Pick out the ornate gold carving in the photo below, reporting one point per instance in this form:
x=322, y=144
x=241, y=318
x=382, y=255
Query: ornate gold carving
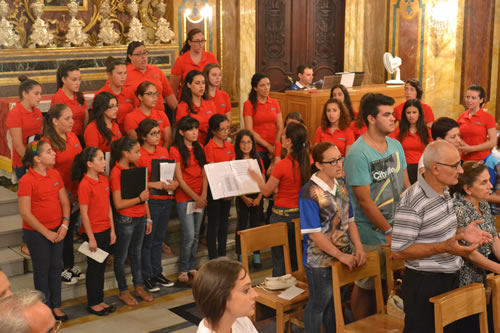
x=8, y=36
x=60, y=5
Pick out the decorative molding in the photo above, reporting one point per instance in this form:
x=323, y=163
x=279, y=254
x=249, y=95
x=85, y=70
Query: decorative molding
x=274, y=29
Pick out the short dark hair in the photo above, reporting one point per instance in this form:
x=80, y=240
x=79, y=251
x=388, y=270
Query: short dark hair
x=130, y=49
x=370, y=103
x=144, y=128
x=442, y=126
x=301, y=68
x=418, y=87
x=480, y=90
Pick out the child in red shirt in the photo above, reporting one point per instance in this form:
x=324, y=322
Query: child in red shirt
x=218, y=97
x=341, y=94
x=103, y=128
x=44, y=207
x=97, y=222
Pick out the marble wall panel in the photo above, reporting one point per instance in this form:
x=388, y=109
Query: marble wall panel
x=247, y=47
x=230, y=48
x=354, y=35
x=374, y=44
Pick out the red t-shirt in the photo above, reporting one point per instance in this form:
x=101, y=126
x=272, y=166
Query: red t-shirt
x=95, y=194
x=215, y=153
x=428, y=114
x=93, y=137
x=125, y=99
x=30, y=124
x=77, y=109
x=192, y=175
x=146, y=160
x=264, y=119
x=222, y=102
x=152, y=74
x=288, y=173
x=135, y=117
x=412, y=145
x=138, y=210
x=474, y=131
x=44, y=193
x=203, y=114
x=341, y=138
x=357, y=131
x=64, y=160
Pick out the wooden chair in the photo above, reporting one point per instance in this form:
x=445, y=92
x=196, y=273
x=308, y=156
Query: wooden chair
x=497, y=222
x=379, y=322
x=458, y=304
x=391, y=265
x=300, y=274
x=493, y=282
x=269, y=236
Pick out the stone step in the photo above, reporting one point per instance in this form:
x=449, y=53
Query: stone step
x=11, y=232
x=8, y=202
x=11, y=263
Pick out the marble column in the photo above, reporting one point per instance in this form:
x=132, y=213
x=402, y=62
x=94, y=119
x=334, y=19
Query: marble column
x=247, y=48
x=354, y=35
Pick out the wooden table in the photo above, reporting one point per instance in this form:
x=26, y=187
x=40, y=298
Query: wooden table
x=310, y=103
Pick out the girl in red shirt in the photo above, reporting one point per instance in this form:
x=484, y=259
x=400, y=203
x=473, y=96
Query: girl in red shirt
x=148, y=94
x=24, y=121
x=103, y=128
x=413, y=90
x=340, y=93
x=97, y=222
x=160, y=206
x=288, y=177
x=195, y=102
x=57, y=126
x=218, y=97
x=133, y=221
x=44, y=208
x=413, y=134
x=335, y=126
x=69, y=79
x=191, y=193
x=217, y=149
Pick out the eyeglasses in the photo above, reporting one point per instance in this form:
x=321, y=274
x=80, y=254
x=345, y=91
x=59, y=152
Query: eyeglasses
x=143, y=54
x=152, y=94
x=334, y=162
x=114, y=106
x=454, y=165
x=155, y=133
x=224, y=129
x=199, y=41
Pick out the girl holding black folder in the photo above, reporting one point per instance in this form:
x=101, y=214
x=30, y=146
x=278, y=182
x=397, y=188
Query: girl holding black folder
x=160, y=205
x=192, y=191
x=132, y=223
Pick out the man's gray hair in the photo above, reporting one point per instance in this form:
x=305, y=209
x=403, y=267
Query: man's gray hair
x=12, y=308
x=434, y=151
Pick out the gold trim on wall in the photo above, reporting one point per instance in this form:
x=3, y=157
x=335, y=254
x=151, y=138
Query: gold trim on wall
x=49, y=8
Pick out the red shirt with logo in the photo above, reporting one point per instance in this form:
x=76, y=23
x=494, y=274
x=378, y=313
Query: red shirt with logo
x=412, y=145
x=134, y=118
x=75, y=106
x=93, y=137
x=192, y=174
x=428, y=114
x=215, y=153
x=264, y=119
x=341, y=138
x=95, y=194
x=222, y=102
x=474, y=131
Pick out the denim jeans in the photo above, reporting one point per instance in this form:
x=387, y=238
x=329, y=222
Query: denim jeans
x=248, y=217
x=277, y=252
x=129, y=236
x=47, y=266
x=190, y=226
x=151, y=247
x=319, y=309
x=218, y=216
x=94, y=279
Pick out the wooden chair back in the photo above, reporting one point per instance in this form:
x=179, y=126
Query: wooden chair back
x=493, y=282
x=497, y=222
x=458, y=304
x=391, y=265
x=300, y=274
x=265, y=237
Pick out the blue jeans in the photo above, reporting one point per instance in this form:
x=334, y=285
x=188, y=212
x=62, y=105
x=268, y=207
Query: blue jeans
x=129, y=236
x=277, y=252
x=190, y=226
x=151, y=247
x=319, y=309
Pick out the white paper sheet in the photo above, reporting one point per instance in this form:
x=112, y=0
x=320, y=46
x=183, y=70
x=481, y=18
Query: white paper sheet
x=221, y=179
x=245, y=183
x=99, y=255
x=347, y=79
x=167, y=172
x=291, y=293
x=190, y=208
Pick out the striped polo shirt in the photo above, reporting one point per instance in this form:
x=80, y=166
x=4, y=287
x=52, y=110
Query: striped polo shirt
x=426, y=217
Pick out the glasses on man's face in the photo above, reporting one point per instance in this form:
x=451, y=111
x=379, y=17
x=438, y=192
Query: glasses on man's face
x=143, y=54
x=199, y=41
x=114, y=106
x=334, y=162
x=155, y=133
x=152, y=94
x=454, y=165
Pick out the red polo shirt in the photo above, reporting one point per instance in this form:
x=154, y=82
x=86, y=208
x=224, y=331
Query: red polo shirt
x=428, y=114
x=135, y=117
x=93, y=137
x=192, y=175
x=77, y=109
x=95, y=194
x=288, y=173
x=125, y=99
x=152, y=74
x=215, y=153
x=30, y=123
x=222, y=102
x=64, y=160
x=264, y=119
x=412, y=145
x=357, y=131
x=146, y=160
x=474, y=131
x=138, y=210
x=203, y=114
x=341, y=138
x=44, y=193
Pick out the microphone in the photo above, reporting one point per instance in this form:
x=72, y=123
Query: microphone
x=317, y=83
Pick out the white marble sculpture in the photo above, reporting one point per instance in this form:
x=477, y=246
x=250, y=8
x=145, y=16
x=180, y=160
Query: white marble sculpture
x=75, y=35
x=136, y=33
x=40, y=34
x=107, y=34
x=8, y=37
x=163, y=32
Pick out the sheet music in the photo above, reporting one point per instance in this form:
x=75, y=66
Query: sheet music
x=167, y=172
x=347, y=79
x=99, y=255
x=190, y=208
x=221, y=179
x=240, y=171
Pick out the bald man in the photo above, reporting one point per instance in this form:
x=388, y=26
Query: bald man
x=425, y=235
x=4, y=285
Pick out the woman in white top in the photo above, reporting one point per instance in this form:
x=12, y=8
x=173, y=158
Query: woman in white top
x=224, y=295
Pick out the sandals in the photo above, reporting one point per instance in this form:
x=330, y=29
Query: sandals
x=24, y=249
x=183, y=277
x=142, y=294
x=166, y=249
x=126, y=298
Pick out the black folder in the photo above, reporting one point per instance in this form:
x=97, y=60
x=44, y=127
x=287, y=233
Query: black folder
x=155, y=174
x=133, y=181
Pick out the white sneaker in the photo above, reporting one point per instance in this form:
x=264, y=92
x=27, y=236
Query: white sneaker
x=77, y=273
x=67, y=278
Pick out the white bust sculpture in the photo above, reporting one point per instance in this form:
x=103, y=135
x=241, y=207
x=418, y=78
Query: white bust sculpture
x=40, y=34
x=136, y=32
x=163, y=32
x=75, y=35
x=8, y=37
x=107, y=34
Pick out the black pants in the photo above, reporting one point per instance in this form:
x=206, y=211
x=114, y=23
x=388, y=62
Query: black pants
x=248, y=217
x=95, y=271
x=218, y=216
x=68, y=256
x=412, y=170
x=47, y=266
x=417, y=288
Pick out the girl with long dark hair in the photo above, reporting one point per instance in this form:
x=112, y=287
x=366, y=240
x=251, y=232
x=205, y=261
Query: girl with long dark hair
x=414, y=90
x=341, y=94
x=219, y=97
